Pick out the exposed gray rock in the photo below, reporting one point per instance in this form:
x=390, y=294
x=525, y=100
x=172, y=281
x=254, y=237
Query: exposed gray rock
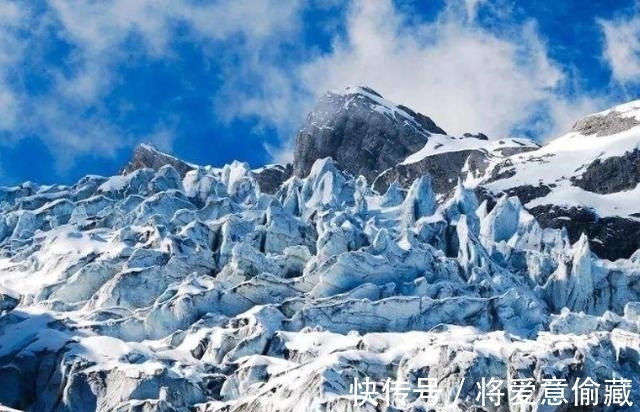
x=478, y=135
x=611, y=175
x=146, y=156
x=512, y=150
x=362, y=132
x=609, y=237
x=527, y=193
x=271, y=177
x=604, y=125
x=502, y=170
x=445, y=169
x=367, y=135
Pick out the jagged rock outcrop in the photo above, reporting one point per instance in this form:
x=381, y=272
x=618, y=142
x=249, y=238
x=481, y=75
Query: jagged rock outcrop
x=608, y=123
x=271, y=177
x=445, y=169
x=586, y=181
x=611, y=175
x=146, y=156
x=370, y=136
x=609, y=237
x=364, y=133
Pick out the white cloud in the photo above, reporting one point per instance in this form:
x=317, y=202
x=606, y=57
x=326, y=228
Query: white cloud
x=280, y=155
x=100, y=25
x=471, y=7
x=464, y=77
x=622, y=48
x=162, y=138
x=8, y=110
x=10, y=16
x=99, y=30
x=70, y=118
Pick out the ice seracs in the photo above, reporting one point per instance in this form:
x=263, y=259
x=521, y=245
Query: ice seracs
x=163, y=293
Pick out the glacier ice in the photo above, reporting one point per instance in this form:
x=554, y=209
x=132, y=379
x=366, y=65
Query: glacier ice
x=165, y=292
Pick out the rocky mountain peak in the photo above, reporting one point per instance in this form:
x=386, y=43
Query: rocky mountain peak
x=371, y=136
x=419, y=119
x=363, y=132
x=146, y=155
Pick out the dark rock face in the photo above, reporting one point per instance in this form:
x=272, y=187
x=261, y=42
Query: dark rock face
x=510, y=151
x=611, y=175
x=147, y=156
x=445, y=169
x=360, y=133
x=270, y=177
x=366, y=135
x=478, y=135
x=423, y=120
x=606, y=125
x=527, y=193
x=609, y=237
x=502, y=170
x=505, y=169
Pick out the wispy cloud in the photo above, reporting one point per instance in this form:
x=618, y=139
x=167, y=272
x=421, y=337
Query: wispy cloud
x=466, y=77
x=91, y=41
x=622, y=48
x=10, y=47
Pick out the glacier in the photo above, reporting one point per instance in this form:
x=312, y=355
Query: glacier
x=182, y=287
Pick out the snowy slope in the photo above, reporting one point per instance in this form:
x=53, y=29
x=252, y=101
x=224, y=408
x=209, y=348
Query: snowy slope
x=566, y=158
x=441, y=144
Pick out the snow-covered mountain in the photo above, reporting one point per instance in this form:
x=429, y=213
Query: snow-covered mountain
x=175, y=287
x=586, y=180
x=370, y=136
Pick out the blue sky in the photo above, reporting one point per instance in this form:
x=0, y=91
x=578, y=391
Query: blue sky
x=82, y=82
